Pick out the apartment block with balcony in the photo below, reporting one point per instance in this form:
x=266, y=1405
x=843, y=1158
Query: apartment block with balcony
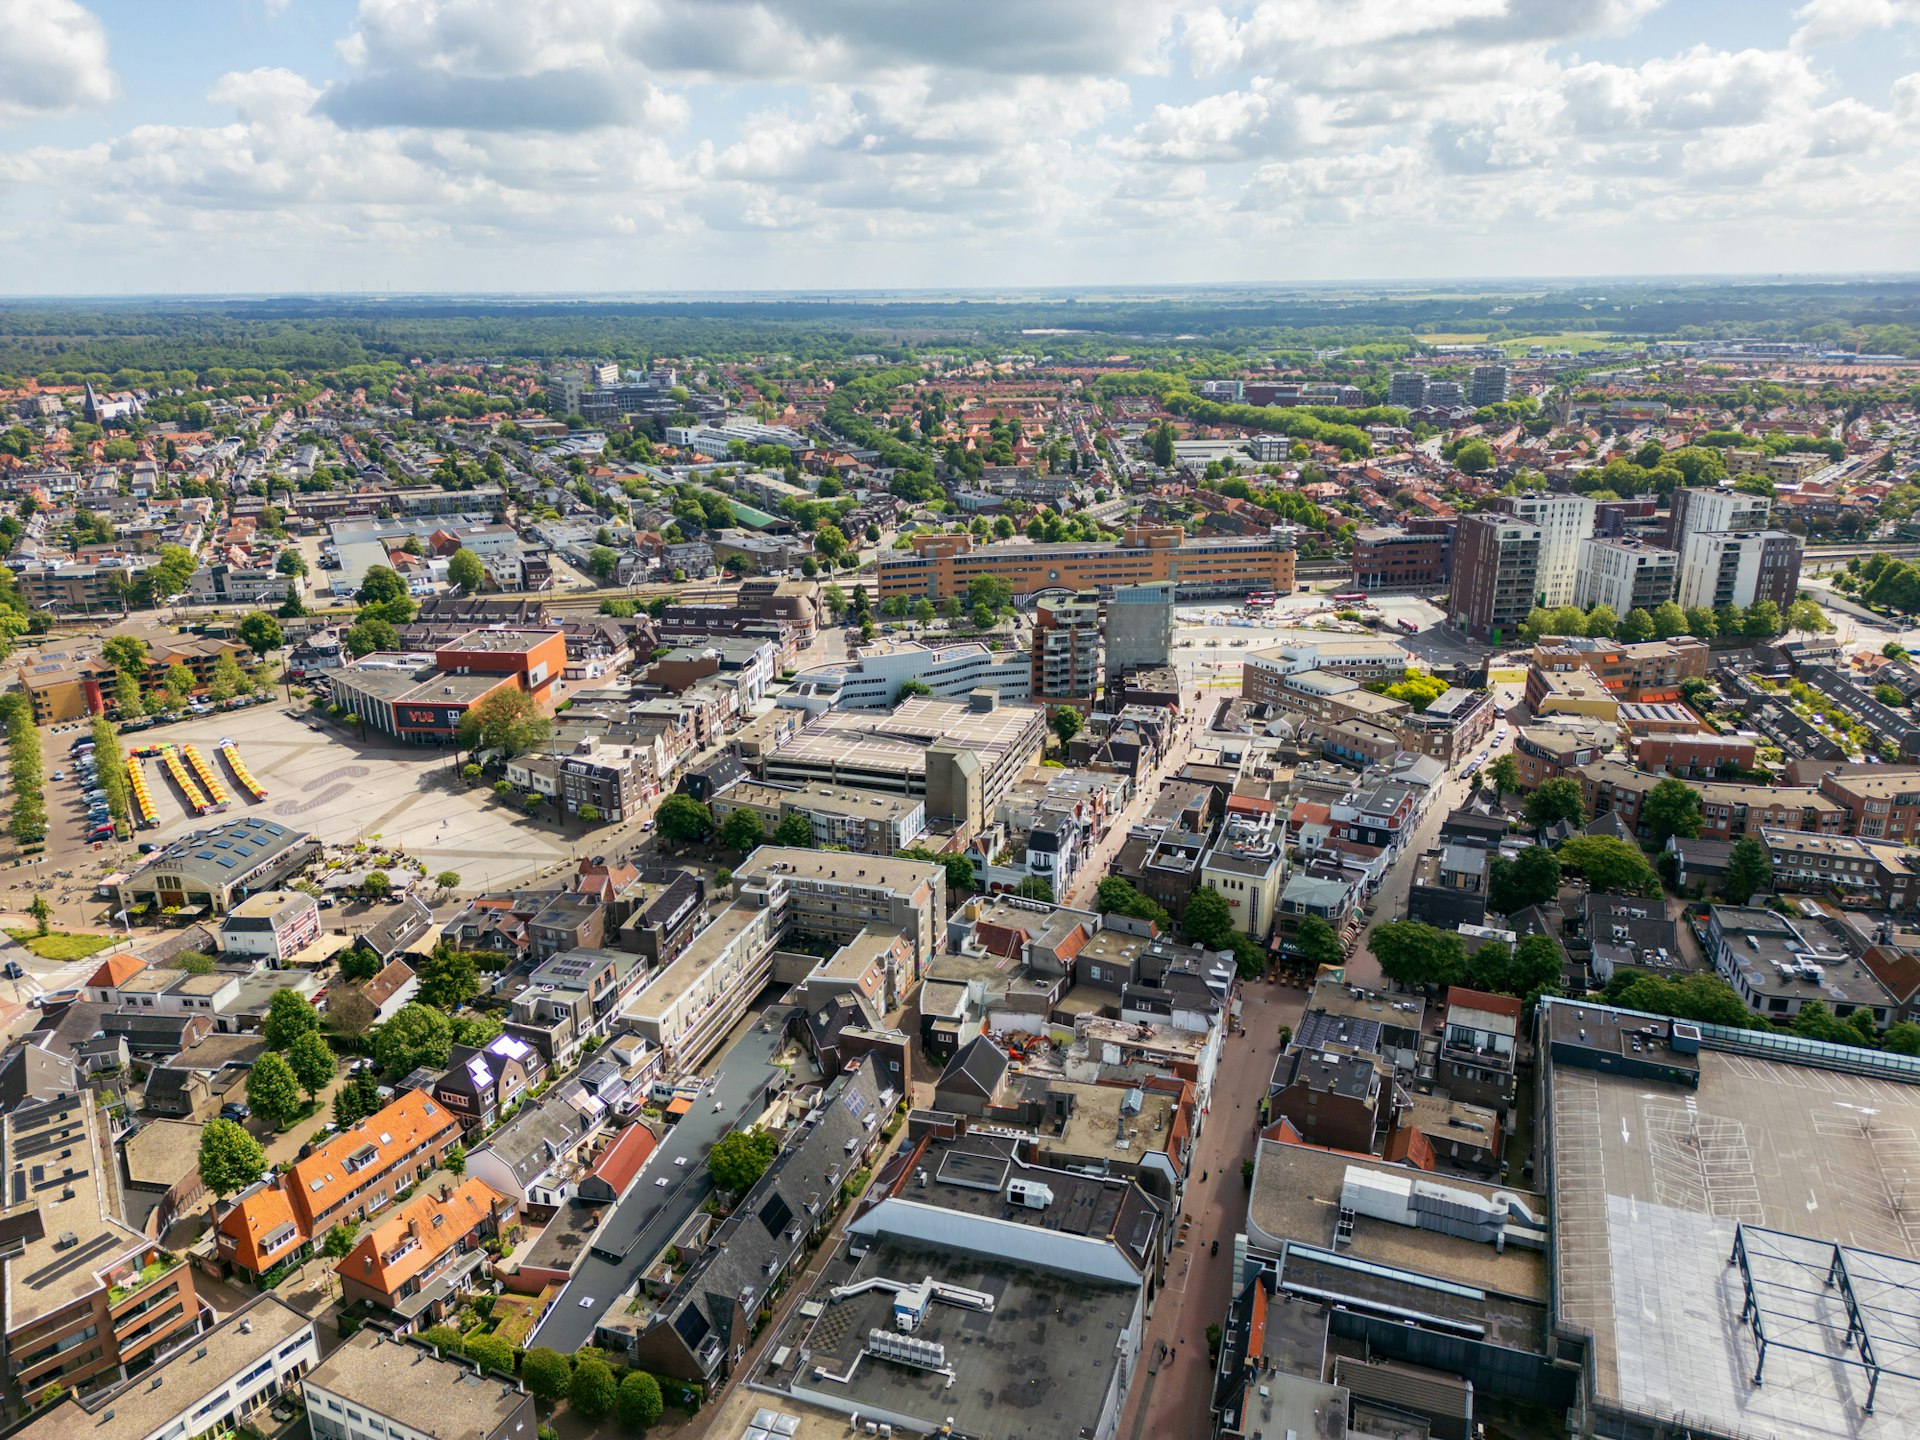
x=1564, y=521
x=1624, y=574
x=1479, y=1048
x=690, y=1006
x=89, y=1299
x=1066, y=650
x=570, y=997
x=1740, y=568
x=1496, y=576
x=1387, y=559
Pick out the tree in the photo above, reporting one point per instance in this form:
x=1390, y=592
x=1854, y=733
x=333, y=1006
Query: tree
x=1035, y=887
x=991, y=591
x=227, y=679
x=1417, y=690
x=1669, y=620
x=1762, y=619
x=1315, y=942
x=1163, y=445
x=356, y=1100
x=1115, y=896
x=476, y=1030
x=742, y=830
x=416, y=1035
x=192, y=962
x=909, y=689
x=1636, y=626
x=1749, y=871
x=382, y=585
x=508, y=720
x=465, y=570
x=230, y=1158
x=369, y=635
x=260, y=632
x=289, y=1016
x=1208, y=919
x=358, y=965
x=456, y=1159
x=448, y=978
x=447, y=880
x=683, y=819
x=42, y=913
x=1536, y=967
x=127, y=702
x=1414, y=954
x=491, y=1351
x=178, y=683
x=1602, y=623
x=1671, y=808
x=1560, y=798
x=640, y=1405
x=546, y=1373
x=1066, y=723
x=312, y=1062
x=1474, y=458
x=1902, y=1038
x=126, y=653
x=290, y=562
x=339, y=1242
x=603, y=561
x=794, y=830
x=1805, y=617
x=1531, y=878
x=591, y=1391
x=1609, y=863
x=272, y=1090
x=378, y=884
x=740, y=1158
x=1505, y=774
x=1701, y=623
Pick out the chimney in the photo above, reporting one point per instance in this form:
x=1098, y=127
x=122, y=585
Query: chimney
x=446, y=1192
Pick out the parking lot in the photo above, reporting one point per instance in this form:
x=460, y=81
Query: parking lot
x=324, y=781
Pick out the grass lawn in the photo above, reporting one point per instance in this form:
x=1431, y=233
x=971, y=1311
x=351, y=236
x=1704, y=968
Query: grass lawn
x=58, y=945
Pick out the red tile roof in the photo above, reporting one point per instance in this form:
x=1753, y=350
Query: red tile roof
x=623, y=1159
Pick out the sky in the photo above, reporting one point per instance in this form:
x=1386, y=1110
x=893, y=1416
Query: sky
x=593, y=146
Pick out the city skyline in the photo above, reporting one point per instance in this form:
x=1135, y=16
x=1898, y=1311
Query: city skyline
x=274, y=146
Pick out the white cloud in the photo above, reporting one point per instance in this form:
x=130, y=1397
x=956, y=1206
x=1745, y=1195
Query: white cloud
x=1829, y=22
x=745, y=142
x=53, y=59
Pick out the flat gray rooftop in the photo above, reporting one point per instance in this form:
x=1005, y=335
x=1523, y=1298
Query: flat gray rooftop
x=1649, y=1182
x=1038, y=1364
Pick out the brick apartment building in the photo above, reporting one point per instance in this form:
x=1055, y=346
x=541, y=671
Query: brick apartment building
x=946, y=564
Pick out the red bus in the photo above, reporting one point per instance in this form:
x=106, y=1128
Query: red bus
x=1352, y=597
x=1261, y=600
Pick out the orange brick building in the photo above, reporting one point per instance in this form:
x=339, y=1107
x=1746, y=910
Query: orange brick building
x=946, y=564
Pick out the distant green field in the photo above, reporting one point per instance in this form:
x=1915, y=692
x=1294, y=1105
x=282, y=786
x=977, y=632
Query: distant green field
x=1566, y=340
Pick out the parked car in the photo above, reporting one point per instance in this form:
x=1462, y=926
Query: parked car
x=235, y=1112
x=14, y=970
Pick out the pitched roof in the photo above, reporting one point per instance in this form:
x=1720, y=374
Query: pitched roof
x=977, y=1065
x=382, y=987
x=115, y=970
x=622, y=1160
x=323, y=1179
x=417, y=1234
x=262, y=1217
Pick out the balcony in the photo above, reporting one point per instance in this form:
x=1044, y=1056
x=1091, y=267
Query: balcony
x=146, y=1275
